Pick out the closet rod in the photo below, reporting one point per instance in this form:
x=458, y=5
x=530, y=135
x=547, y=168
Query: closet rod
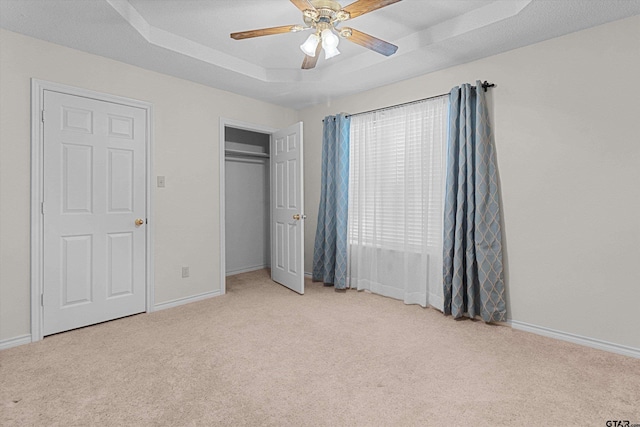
x=246, y=153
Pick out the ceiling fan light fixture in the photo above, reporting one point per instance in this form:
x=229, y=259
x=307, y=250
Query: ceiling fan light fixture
x=310, y=45
x=330, y=43
x=323, y=18
x=330, y=53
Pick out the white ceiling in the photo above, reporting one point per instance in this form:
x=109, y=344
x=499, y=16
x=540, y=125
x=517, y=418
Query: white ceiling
x=190, y=38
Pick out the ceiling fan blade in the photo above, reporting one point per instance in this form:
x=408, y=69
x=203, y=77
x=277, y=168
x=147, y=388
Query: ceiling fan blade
x=263, y=32
x=303, y=5
x=310, y=62
x=370, y=42
x=360, y=7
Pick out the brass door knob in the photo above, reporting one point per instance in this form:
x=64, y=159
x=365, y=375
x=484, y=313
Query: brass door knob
x=139, y=222
x=297, y=217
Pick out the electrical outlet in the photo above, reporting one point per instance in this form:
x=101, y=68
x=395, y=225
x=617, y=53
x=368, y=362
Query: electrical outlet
x=160, y=181
x=185, y=272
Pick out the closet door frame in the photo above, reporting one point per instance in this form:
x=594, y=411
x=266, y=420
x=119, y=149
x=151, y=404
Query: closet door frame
x=236, y=124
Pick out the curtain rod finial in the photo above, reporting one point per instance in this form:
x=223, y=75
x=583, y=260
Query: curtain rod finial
x=486, y=85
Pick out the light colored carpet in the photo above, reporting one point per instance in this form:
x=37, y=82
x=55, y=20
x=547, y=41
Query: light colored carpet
x=263, y=355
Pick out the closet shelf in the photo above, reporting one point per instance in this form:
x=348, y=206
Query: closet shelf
x=230, y=152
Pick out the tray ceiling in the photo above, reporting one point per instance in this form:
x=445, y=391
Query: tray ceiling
x=190, y=38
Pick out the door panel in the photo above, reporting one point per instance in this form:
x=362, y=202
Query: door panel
x=120, y=179
x=120, y=264
x=287, y=256
x=94, y=189
x=292, y=250
x=77, y=170
x=77, y=270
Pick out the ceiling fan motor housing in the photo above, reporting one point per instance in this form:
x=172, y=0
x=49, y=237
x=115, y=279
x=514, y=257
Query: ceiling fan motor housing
x=327, y=14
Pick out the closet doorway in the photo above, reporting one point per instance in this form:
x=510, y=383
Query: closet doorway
x=261, y=202
x=247, y=206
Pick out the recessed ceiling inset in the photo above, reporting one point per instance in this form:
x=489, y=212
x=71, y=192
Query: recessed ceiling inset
x=323, y=17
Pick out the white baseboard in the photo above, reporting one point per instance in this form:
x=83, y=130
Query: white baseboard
x=246, y=270
x=308, y=275
x=186, y=300
x=576, y=339
x=15, y=341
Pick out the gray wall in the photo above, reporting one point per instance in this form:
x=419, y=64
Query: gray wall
x=247, y=203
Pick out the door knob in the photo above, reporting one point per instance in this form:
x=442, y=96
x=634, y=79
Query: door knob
x=139, y=222
x=297, y=217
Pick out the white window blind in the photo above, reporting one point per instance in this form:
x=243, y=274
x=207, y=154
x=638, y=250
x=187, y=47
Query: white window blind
x=396, y=176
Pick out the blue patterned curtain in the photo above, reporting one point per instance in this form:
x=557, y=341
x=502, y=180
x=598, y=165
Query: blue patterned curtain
x=330, y=249
x=473, y=276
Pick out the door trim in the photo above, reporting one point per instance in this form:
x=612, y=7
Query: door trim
x=37, y=192
x=224, y=122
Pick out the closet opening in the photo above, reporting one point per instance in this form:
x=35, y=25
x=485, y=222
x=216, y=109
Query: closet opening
x=261, y=202
x=247, y=200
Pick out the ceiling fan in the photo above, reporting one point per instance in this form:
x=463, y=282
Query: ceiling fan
x=323, y=16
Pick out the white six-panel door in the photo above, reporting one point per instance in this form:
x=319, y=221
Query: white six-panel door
x=287, y=244
x=94, y=191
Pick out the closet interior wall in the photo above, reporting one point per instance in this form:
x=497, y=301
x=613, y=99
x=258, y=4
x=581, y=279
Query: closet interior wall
x=247, y=201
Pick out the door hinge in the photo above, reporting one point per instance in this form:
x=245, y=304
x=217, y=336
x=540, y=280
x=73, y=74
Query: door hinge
x=42, y=116
x=42, y=300
x=42, y=208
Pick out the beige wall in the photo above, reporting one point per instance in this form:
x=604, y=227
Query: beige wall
x=566, y=129
x=565, y=114
x=185, y=151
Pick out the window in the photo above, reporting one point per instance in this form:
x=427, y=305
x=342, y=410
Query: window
x=396, y=188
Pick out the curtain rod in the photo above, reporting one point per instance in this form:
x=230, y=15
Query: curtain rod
x=485, y=85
